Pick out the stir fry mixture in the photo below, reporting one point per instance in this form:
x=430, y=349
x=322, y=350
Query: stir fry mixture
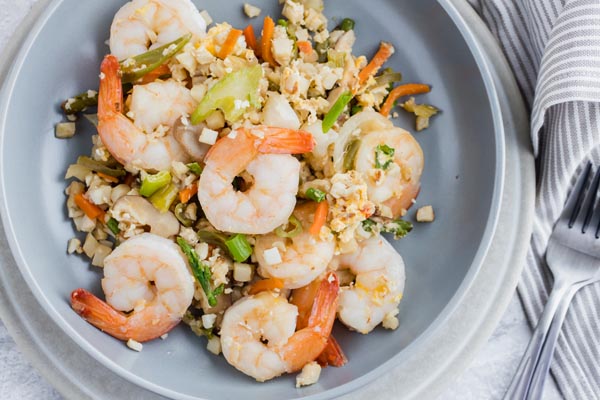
x=240, y=183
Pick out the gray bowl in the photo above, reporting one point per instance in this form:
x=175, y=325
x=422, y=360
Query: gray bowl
x=463, y=180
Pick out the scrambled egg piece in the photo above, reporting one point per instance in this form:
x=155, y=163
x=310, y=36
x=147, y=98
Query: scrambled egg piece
x=350, y=206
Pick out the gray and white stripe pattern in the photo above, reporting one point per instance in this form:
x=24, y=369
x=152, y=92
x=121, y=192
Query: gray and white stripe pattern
x=553, y=47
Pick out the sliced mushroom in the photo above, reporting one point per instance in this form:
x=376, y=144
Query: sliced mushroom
x=187, y=136
x=138, y=210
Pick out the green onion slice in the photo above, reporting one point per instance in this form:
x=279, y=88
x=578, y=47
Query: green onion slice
x=239, y=247
x=153, y=183
x=195, y=168
x=315, y=195
x=113, y=225
x=283, y=231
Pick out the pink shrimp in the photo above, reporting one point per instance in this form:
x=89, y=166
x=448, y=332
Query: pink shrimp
x=263, y=152
x=146, y=275
x=259, y=337
x=124, y=140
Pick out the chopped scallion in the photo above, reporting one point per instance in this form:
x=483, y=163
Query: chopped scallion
x=283, y=231
x=315, y=195
x=195, y=168
x=153, y=183
x=113, y=225
x=239, y=247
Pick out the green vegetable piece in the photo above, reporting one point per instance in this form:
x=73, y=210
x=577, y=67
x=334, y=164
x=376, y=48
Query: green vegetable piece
x=283, y=231
x=368, y=225
x=283, y=22
x=241, y=85
x=153, y=183
x=399, y=228
x=315, y=195
x=195, y=168
x=239, y=247
x=322, y=50
x=164, y=198
x=180, y=215
x=423, y=112
x=214, y=238
x=350, y=154
x=355, y=109
x=336, y=110
x=388, y=77
x=200, y=270
x=80, y=102
x=99, y=166
x=113, y=225
x=346, y=25
x=137, y=67
x=384, y=156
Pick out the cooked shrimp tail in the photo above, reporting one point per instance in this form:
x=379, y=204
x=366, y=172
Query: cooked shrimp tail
x=308, y=343
x=285, y=141
x=303, y=298
x=333, y=354
x=110, y=97
x=115, y=323
x=127, y=143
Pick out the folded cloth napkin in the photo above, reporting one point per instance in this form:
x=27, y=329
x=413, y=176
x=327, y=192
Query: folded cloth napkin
x=553, y=47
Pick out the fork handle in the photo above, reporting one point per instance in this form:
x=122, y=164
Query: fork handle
x=543, y=365
x=521, y=381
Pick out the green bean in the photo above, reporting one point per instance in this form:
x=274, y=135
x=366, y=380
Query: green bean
x=80, y=102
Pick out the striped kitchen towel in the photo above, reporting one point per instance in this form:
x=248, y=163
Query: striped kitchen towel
x=553, y=47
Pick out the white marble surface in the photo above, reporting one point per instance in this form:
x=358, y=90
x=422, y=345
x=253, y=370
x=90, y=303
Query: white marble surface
x=487, y=378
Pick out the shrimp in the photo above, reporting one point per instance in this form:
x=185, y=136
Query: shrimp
x=259, y=337
x=396, y=185
x=127, y=142
x=304, y=257
x=303, y=298
x=143, y=25
x=264, y=153
x=146, y=276
x=379, y=285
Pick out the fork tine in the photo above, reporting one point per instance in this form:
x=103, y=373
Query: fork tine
x=590, y=201
x=576, y=197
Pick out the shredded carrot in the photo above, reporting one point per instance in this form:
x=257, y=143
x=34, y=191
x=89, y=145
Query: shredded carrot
x=157, y=73
x=304, y=46
x=333, y=354
x=385, y=51
x=267, y=38
x=186, y=194
x=108, y=177
x=90, y=209
x=403, y=90
x=229, y=44
x=320, y=218
x=265, y=284
x=251, y=39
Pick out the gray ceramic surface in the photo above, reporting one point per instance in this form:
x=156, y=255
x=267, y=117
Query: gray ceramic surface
x=462, y=179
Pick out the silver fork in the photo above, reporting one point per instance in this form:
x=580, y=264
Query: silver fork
x=573, y=257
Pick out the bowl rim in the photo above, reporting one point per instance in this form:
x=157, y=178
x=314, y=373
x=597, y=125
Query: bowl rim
x=6, y=92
